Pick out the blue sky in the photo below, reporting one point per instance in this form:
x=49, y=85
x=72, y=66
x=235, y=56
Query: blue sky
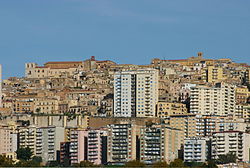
x=125, y=31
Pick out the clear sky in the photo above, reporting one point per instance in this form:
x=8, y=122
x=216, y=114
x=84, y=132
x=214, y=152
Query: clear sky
x=125, y=31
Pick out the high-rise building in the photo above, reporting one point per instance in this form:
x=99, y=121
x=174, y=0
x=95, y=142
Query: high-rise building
x=135, y=93
x=216, y=100
x=184, y=122
x=85, y=144
x=43, y=141
x=214, y=74
x=159, y=143
x=207, y=125
x=122, y=143
x=8, y=139
x=236, y=142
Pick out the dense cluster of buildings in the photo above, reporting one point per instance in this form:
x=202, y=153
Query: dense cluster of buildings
x=195, y=109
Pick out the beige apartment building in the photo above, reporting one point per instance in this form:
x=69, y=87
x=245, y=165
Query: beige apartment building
x=166, y=109
x=159, y=143
x=216, y=100
x=122, y=142
x=214, y=74
x=242, y=94
x=242, y=111
x=8, y=139
x=184, y=122
x=46, y=105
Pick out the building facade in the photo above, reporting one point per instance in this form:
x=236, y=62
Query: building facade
x=216, y=100
x=135, y=93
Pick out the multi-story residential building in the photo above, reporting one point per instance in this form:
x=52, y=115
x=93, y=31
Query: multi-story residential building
x=196, y=149
x=185, y=91
x=214, y=74
x=242, y=111
x=46, y=105
x=159, y=143
x=27, y=138
x=166, y=109
x=85, y=144
x=23, y=105
x=247, y=76
x=122, y=143
x=207, y=125
x=8, y=139
x=184, y=122
x=43, y=141
x=242, y=94
x=135, y=93
x=217, y=100
x=236, y=142
x=48, y=142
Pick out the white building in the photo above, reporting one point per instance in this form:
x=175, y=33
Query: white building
x=135, y=93
x=217, y=100
x=236, y=142
x=196, y=149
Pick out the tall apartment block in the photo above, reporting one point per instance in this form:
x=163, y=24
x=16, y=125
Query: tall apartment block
x=216, y=100
x=196, y=149
x=135, y=93
x=214, y=74
x=122, y=143
x=8, y=139
x=159, y=143
x=85, y=144
x=43, y=141
x=236, y=142
x=184, y=122
x=207, y=125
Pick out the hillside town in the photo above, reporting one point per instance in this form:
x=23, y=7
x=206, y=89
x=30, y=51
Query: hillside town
x=193, y=111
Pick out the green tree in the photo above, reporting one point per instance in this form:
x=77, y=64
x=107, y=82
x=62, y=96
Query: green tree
x=194, y=164
x=134, y=163
x=37, y=160
x=228, y=158
x=210, y=164
x=160, y=164
x=53, y=163
x=24, y=153
x=86, y=163
x=176, y=163
x=5, y=162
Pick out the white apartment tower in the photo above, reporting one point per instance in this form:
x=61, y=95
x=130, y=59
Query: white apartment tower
x=135, y=93
x=195, y=149
x=236, y=142
x=216, y=100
